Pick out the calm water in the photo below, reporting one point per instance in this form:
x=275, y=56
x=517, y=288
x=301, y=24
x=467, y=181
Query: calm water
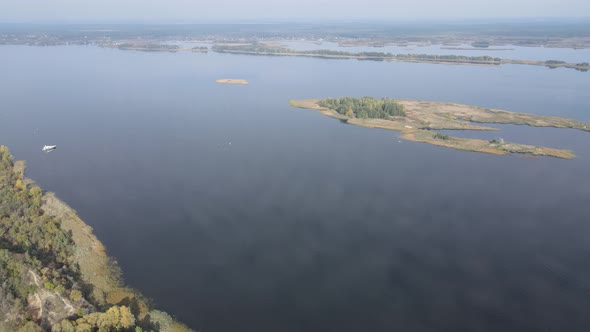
x=303, y=223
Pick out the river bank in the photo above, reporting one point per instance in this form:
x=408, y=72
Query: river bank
x=65, y=281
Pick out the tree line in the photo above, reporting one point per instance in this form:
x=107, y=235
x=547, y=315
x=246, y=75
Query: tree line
x=365, y=107
x=268, y=49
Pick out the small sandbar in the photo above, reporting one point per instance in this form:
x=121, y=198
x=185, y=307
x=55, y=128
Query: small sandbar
x=232, y=81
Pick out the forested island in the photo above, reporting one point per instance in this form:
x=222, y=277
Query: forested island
x=54, y=273
x=267, y=49
x=260, y=48
x=419, y=120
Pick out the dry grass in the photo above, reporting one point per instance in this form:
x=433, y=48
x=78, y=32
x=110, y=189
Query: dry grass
x=95, y=266
x=167, y=323
x=100, y=272
x=483, y=146
x=19, y=168
x=422, y=116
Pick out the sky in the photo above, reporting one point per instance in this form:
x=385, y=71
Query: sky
x=195, y=11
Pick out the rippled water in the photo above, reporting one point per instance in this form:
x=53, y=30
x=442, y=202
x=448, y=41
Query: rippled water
x=303, y=223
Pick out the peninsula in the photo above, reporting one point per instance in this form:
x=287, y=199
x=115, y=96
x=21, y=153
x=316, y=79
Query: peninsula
x=55, y=274
x=232, y=81
x=418, y=121
x=158, y=47
x=276, y=50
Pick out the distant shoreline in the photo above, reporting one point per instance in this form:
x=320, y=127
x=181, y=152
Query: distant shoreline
x=269, y=50
x=476, y=48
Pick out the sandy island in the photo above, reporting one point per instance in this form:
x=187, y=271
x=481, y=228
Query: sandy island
x=423, y=118
x=232, y=81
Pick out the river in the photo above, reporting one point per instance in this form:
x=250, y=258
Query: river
x=235, y=212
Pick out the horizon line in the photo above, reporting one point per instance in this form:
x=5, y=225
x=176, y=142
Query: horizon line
x=231, y=21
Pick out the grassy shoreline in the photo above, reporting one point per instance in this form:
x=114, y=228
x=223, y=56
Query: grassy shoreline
x=55, y=275
x=100, y=273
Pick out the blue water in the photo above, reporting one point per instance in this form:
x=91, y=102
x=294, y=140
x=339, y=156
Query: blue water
x=303, y=223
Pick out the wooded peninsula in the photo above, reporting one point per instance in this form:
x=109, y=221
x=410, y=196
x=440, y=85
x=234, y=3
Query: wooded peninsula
x=418, y=121
x=55, y=273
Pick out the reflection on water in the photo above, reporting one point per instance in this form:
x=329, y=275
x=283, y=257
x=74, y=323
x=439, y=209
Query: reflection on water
x=303, y=223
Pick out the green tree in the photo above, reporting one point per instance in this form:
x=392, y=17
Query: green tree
x=84, y=327
x=75, y=295
x=127, y=318
x=64, y=326
x=365, y=107
x=30, y=327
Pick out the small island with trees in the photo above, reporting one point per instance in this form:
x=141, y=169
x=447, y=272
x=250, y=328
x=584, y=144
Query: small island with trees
x=418, y=121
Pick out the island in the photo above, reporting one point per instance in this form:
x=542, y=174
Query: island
x=55, y=274
x=156, y=47
x=418, y=121
x=232, y=81
x=259, y=48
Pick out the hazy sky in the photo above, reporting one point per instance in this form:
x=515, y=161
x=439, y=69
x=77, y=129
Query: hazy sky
x=195, y=11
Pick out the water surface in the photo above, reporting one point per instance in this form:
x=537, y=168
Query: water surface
x=303, y=223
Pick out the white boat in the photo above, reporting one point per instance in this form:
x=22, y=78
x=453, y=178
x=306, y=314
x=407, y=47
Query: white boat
x=48, y=148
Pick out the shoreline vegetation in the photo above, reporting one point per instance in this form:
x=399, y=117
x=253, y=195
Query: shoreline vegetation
x=155, y=47
x=457, y=48
x=547, y=33
x=232, y=81
x=418, y=121
x=252, y=45
x=55, y=274
x=274, y=50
